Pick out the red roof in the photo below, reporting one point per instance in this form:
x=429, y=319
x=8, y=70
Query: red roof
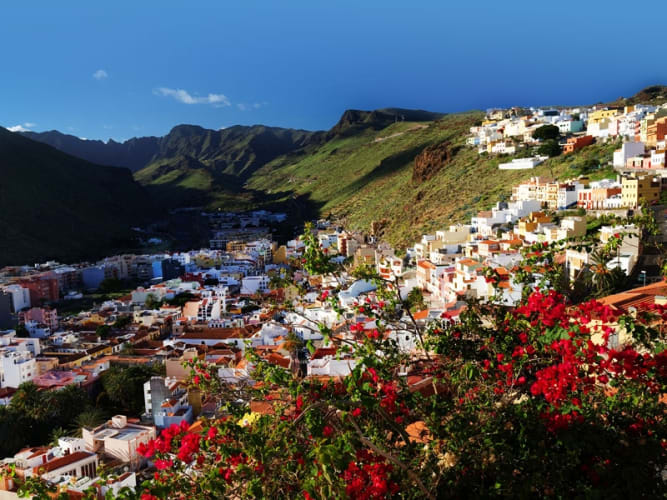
x=324, y=351
x=64, y=461
x=637, y=297
x=421, y=314
x=277, y=359
x=426, y=264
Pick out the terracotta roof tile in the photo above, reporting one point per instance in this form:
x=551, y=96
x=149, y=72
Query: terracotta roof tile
x=64, y=461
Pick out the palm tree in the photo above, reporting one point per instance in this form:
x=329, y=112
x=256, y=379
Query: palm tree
x=56, y=434
x=89, y=419
x=606, y=281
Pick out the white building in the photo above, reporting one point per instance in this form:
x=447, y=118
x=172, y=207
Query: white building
x=522, y=163
x=16, y=367
x=268, y=334
x=330, y=366
x=628, y=150
x=250, y=285
x=20, y=297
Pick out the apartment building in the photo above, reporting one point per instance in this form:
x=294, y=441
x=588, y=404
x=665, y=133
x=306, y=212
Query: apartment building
x=639, y=190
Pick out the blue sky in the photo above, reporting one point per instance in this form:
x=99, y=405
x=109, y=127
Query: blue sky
x=121, y=69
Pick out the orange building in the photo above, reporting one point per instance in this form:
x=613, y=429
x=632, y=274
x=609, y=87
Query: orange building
x=656, y=131
x=574, y=143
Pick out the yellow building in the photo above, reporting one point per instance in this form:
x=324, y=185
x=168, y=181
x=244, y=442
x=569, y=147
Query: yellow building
x=236, y=246
x=639, y=190
x=644, y=125
x=280, y=255
x=601, y=114
x=364, y=256
x=530, y=223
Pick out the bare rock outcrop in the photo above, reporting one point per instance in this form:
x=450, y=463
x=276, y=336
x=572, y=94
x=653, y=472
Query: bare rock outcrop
x=431, y=160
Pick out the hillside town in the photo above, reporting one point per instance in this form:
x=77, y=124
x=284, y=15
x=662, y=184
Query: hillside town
x=640, y=129
x=67, y=324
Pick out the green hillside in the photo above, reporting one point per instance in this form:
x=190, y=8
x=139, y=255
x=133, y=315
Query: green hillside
x=55, y=206
x=369, y=177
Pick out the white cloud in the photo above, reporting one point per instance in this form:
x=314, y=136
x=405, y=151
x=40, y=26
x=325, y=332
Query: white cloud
x=23, y=127
x=248, y=107
x=100, y=74
x=217, y=100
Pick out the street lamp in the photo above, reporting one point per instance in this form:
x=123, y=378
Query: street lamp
x=643, y=273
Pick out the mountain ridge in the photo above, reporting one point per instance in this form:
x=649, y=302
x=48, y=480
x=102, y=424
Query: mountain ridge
x=139, y=152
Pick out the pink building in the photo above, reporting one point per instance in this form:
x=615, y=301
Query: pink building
x=41, y=315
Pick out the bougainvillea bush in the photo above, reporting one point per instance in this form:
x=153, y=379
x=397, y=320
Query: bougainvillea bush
x=524, y=402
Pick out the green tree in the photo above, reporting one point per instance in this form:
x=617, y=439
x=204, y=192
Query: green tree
x=15, y=431
x=180, y=299
x=90, y=418
x=22, y=331
x=123, y=321
x=546, y=132
x=56, y=434
x=110, y=285
x=550, y=148
x=31, y=400
x=152, y=302
x=103, y=331
x=124, y=388
x=70, y=401
x=415, y=300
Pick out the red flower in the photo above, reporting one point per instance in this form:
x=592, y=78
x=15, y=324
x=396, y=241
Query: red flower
x=212, y=433
x=327, y=431
x=163, y=464
x=356, y=412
